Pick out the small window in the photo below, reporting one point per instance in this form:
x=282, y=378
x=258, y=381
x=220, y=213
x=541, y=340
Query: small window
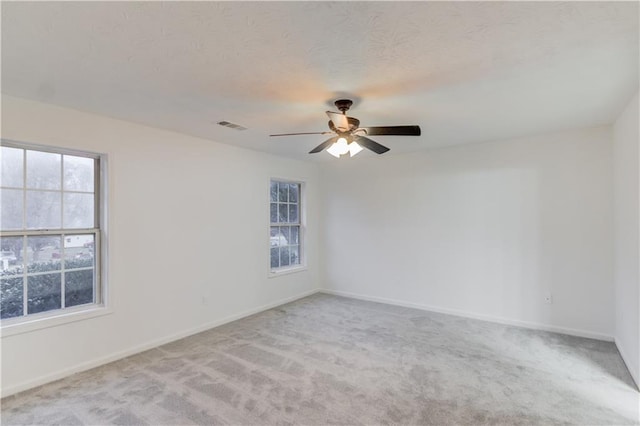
x=49, y=231
x=286, y=225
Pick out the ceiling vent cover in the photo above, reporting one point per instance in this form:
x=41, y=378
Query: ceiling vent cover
x=231, y=125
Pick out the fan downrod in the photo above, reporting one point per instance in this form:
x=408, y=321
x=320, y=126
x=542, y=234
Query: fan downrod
x=343, y=105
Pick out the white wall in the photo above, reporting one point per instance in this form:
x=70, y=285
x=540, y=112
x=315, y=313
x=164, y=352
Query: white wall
x=188, y=238
x=626, y=160
x=482, y=230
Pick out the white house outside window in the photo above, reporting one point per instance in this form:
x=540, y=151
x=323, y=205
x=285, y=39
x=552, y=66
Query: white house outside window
x=286, y=225
x=49, y=231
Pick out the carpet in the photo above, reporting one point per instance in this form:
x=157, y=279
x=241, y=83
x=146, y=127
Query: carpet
x=333, y=360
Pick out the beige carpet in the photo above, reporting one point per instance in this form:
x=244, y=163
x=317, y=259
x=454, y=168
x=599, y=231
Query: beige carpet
x=333, y=360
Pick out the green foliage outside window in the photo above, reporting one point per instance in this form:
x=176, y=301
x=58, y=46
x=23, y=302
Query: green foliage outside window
x=44, y=291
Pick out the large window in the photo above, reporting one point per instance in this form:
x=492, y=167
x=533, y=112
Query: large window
x=286, y=228
x=49, y=231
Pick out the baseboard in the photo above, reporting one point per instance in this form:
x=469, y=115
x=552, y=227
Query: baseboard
x=632, y=368
x=465, y=314
x=11, y=390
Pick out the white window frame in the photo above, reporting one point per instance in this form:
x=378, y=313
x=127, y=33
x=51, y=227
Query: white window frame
x=100, y=306
x=302, y=217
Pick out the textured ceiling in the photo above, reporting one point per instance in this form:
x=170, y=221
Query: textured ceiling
x=464, y=71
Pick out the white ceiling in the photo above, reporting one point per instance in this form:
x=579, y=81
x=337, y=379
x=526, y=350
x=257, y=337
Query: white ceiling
x=464, y=71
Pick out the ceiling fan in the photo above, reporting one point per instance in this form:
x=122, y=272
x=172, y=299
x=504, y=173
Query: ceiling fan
x=349, y=137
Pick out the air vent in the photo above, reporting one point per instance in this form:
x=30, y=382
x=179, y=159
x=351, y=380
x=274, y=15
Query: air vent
x=231, y=125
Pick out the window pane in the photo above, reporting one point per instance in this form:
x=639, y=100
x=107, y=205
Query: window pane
x=284, y=231
x=275, y=260
x=283, y=190
x=284, y=256
x=277, y=239
x=11, y=257
x=274, y=191
x=11, y=297
x=293, y=192
x=295, y=235
x=78, y=173
x=43, y=210
x=12, y=167
x=44, y=292
x=78, y=251
x=283, y=213
x=294, y=251
x=43, y=170
x=43, y=254
x=274, y=213
x=78, y=211
x=11, y=205
x=293, y=213
x=78, y=287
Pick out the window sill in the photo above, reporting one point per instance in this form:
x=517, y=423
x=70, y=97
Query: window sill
x=286, y=271
x=13, y=327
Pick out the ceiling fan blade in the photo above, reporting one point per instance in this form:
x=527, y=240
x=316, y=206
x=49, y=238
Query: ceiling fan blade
x=339, y=120
x=307, y=133
x=323, y=145
x=393, y=131
x=372, y=145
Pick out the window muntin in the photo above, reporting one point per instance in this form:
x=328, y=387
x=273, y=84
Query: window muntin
x=49, y=231
x=286, y=225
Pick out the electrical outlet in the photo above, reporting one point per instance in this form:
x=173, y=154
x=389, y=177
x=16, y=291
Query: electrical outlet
x=548, y=299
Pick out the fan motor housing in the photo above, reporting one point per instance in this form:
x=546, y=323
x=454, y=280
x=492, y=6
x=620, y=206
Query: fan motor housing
x=354, y=123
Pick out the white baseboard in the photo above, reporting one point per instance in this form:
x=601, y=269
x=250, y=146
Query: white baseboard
x=4, y=392
x=465, y=314
x=630, y=366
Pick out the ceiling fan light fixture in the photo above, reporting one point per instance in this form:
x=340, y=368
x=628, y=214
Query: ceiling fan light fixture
x=354, y=148
x=340, y=147
x=332, y=150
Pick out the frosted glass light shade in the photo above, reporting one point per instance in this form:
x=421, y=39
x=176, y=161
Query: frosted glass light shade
x=354, y=148
x=339, y=148
x=333, y=151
